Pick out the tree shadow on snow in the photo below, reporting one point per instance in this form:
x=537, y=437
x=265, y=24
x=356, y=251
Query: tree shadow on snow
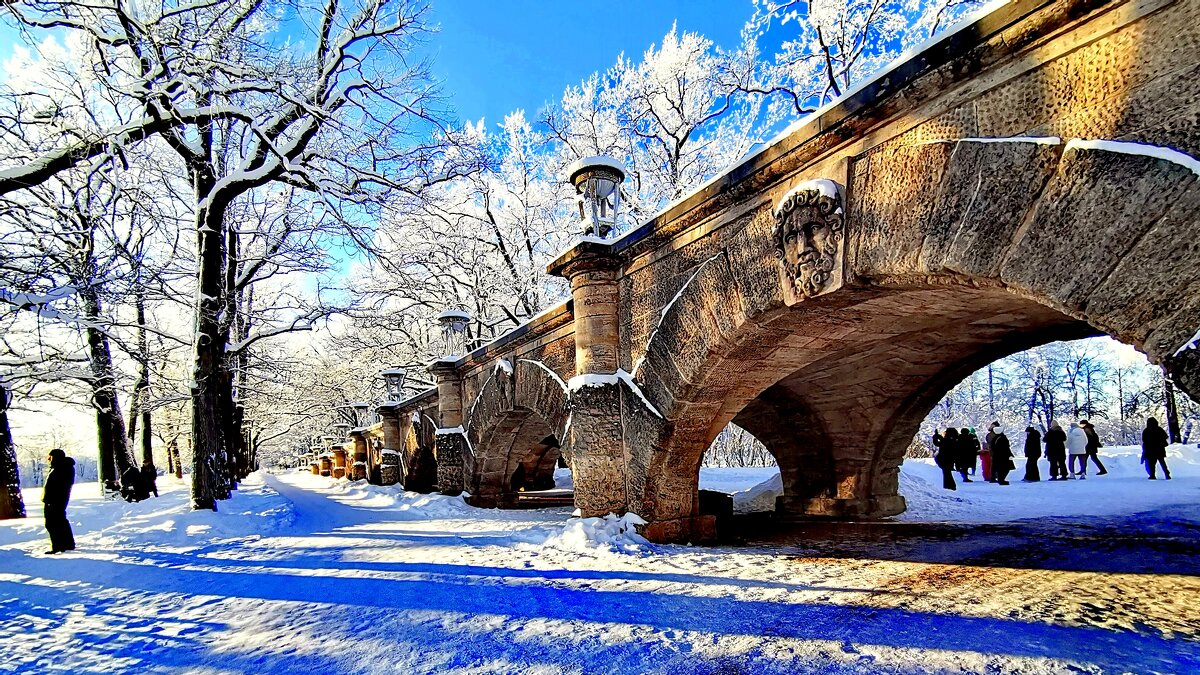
x=453, y=592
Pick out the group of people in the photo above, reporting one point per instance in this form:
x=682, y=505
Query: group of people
x=138, y=484
x=960, y=450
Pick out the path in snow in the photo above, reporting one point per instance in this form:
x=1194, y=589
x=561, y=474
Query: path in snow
x=304, y=574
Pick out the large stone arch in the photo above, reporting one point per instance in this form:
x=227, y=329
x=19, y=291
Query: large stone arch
x=953, y=254
x=516, y=423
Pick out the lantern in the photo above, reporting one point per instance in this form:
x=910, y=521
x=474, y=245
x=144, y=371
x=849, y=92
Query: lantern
x=393, y=382
x=454, y=331
x=597, y=183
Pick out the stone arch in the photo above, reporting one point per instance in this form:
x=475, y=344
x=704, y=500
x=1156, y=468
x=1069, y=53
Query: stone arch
x=516, y=425
x=1092, y=238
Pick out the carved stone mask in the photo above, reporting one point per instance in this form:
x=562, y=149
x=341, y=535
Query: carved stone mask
x=808, y=231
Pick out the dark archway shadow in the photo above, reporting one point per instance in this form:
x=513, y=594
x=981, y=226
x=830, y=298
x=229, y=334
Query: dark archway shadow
x=1161, y=541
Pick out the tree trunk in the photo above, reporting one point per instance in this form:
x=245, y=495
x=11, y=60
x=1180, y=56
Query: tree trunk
x=209, y=375
x=11, y=503
x=141, y=391
x=1121, y=405
x=174, y=450
x=991, y=392
x=114, y=455
x=1172, y=408
x=170, y=458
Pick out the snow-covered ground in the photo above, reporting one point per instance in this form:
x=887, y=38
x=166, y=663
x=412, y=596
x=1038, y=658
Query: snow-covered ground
x=304, y=574
x=1125, y=489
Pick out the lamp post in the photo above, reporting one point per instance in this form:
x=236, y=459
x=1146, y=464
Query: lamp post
x=393, y=382
x=360, y=409
x=454, y=331
x=597, y=183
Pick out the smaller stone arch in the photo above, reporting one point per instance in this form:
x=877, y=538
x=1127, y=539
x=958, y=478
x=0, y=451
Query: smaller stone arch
x=514, y=429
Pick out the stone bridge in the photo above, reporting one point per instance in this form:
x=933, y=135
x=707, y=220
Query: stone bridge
x=1030, y=177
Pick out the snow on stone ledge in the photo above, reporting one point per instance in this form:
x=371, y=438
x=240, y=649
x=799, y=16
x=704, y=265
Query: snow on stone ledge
x=598, y=380
x=503, y=366
x=448, y=431
x=1127, y=148
x=1194, y=343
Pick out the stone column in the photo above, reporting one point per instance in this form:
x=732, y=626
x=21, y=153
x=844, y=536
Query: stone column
x=358, y=462
x=391, y=470
x=595, y=445
x=339, y=461
x=450, y=442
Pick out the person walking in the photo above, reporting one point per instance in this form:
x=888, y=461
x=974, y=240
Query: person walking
x=1093, y=447
x=968, y=452
x=1002, y=457
x=1033, y=451
x=947, y=449
x=1056, y=451
x=1154, y=448
x=148, y=481
x=55, y=495
x=1077, y=442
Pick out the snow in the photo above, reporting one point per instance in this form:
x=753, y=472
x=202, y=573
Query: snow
x=550, y=372
x=449, y=431
x=594, y=161
x=662, y=313
x=454, y=315
x=503, y=366
x=823, y=186
x=1194, y=343
x=300, y=573
x=1123, y=490
x=600, y=380
x=32, y=299
x=1125, y=147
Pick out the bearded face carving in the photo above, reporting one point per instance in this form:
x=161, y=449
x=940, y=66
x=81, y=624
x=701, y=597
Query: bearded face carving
x=808, y=234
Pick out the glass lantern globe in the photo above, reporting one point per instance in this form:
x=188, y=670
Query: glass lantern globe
x=596, y=181
x=454, y=324
x=393, y=382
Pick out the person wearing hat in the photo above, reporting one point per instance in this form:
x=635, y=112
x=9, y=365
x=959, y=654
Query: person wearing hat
x=1002, y=456
x=55, y=496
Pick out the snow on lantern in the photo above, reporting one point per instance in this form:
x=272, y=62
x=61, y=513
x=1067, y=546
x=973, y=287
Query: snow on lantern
x=393, y=382
x=454, y=331
x=597, y=183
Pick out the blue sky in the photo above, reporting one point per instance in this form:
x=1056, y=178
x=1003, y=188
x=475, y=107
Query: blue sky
x=495, y=56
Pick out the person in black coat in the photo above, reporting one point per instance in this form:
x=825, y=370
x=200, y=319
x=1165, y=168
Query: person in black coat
x=130, y=478
x=1056, y=451
x=147, y=481
x=1002, y=457
x=1093, y=447
x=1154, y=448
x=55, y=496
x=968, y=452
x=1033, y=451
x=947, y=456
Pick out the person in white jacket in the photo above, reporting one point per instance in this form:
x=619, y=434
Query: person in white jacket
x=1077, y=442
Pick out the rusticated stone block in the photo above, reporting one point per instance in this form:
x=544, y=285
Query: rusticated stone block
x=449, y=449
